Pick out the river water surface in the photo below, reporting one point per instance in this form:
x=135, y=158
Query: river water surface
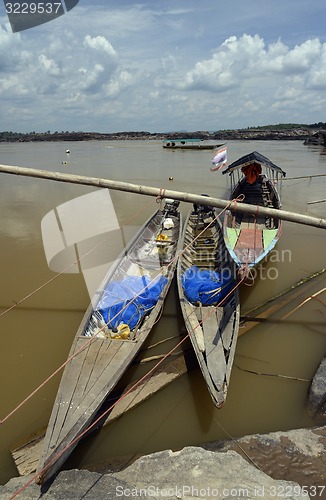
x=37, y=334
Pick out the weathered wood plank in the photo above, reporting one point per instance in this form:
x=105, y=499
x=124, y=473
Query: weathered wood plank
x=27, y=455
x=96, y=351
x=97, y=362
x=105, y=382
x=195, y=328
x=62, y=403
x=69, y=382
x=227, y=324
x=215, y=355
x=228, y=372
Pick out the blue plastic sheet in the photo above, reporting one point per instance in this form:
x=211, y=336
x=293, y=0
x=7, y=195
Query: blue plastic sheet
x=127, y=301
x=205, y=286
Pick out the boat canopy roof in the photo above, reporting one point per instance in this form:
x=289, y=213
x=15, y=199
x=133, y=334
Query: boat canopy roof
x=253, y=157
x=182, y=140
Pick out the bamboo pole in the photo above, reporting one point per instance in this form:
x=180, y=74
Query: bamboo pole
x=316, y=201
x=303, y=177
x=166, y=193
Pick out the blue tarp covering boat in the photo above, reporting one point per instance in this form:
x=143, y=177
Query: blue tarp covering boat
x=205, y=286
x=127, y=301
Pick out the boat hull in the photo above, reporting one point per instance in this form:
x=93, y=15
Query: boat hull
x=97, y=362
x=190, y=147
x=191, y=144
x=250, y=239
x=213, y=329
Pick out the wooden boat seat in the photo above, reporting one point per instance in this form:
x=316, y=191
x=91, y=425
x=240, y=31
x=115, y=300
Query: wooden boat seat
x=252, y=225
x=162, y=244
x=204, y=246
x=147, y=263
x=241, y=219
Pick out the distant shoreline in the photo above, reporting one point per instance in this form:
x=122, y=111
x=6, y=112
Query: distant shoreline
x=308, y=135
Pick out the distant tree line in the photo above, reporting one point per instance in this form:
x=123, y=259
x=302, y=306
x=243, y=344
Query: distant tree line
x=287, y=126
x=282, y=128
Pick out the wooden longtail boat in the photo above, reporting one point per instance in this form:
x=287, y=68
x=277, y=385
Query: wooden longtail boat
x=250, y=238
x=191, y=144
x=206, y=278
x=113, y=330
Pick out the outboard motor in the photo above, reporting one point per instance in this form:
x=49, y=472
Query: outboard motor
x=204, y=209
x=172, y=206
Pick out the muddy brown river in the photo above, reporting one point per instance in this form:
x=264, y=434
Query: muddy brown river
x=36, y=335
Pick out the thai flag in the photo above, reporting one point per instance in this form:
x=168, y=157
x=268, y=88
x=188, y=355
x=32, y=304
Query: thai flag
x=220, y=159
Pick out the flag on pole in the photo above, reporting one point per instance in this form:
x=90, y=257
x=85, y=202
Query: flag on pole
x=220, y=159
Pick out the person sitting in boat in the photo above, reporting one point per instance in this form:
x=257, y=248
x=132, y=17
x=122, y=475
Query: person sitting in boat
x=251, y=172
x=251, y=184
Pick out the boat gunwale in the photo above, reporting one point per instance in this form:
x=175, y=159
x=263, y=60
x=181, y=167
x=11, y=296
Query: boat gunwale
x=48, y=452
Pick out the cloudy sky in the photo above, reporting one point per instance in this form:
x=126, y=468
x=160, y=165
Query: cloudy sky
x=163, y=65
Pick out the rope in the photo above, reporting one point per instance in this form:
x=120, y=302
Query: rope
x=140, y=380
x=92, y=339
x=161, y=195
x=248, y=274
x=77, y=261
x=86, y=344
x=238, y=199
x=245, y=270
x=136, y=384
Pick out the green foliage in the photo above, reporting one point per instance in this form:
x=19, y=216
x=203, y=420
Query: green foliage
x=289, y=126
x=10, y=136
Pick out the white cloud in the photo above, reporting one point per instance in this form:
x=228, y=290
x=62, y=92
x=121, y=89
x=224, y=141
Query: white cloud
x=302, y=57
x=317, y=79
x=241, y=60
x=49, y=65
x=13, y=55
x=92, y=78
x=248, y=80
x=121, y=81
x=169, y=63
x=58, y=76
x=100, y=43
x=156, y=68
